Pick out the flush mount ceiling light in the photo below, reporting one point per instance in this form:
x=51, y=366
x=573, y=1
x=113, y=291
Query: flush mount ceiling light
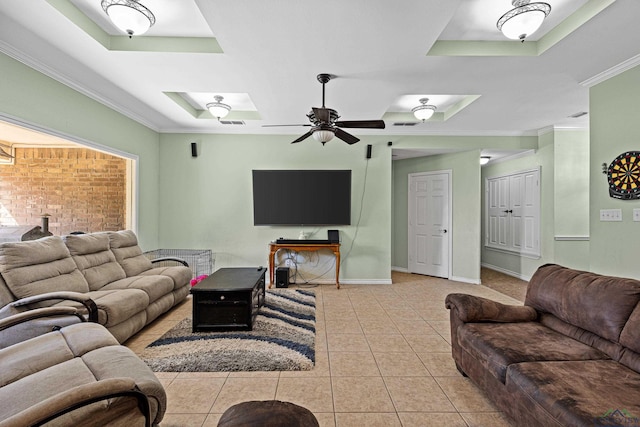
x=323, y=135
x=484, y=159
x=218, y=109
x=129, y=16
x=523, y=20
x=424, y=112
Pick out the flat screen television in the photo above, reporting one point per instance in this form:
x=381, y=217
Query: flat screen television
x=302, y=197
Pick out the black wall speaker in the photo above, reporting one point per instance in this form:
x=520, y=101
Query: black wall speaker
x=282, y=277
x=333, y=236
x=369, y=147
x=194, y=149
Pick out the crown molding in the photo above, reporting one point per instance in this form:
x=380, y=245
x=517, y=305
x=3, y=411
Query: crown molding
x=612, y=72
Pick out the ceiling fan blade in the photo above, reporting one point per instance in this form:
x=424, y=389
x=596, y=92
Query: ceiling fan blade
x=346, y=137
x=272, y=126
x=370, y=124
x=322, y=114
x=303, y=137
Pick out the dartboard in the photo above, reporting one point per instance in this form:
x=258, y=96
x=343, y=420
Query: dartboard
x=624, y=176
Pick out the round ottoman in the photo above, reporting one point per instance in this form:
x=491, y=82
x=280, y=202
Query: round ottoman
x=267, y=413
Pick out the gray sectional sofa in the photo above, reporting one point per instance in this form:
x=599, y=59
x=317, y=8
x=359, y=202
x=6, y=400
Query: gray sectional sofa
x=77, y=375
x=107, y=270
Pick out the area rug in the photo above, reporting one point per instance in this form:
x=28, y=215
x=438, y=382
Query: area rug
x=282, y=339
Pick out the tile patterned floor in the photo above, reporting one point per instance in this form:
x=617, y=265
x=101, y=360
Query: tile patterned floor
x=383, y=358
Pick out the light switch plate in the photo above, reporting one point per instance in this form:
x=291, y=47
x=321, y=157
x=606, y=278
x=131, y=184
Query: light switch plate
x=611, y=215
x=636, y=214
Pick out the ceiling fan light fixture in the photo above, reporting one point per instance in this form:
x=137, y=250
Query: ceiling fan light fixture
x=323, y=135
x=129, y=16
x=523, y=20
x=484, y=159
x=218, y=109
x=423, y=111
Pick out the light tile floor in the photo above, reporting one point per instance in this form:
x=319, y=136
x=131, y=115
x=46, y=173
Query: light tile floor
x=383, y=358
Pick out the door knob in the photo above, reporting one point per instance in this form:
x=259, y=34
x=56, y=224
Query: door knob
x=508, y=211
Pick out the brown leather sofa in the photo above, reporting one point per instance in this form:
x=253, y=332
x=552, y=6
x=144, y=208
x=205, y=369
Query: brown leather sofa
x=106, y=269
x=569, y=357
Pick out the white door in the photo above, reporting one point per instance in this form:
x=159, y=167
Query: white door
x=429, y=224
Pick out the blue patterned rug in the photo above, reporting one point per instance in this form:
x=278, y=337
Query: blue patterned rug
x=282, y=339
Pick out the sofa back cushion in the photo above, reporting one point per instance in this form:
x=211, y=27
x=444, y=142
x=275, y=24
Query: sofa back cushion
x=124, y=245
x=93, y=256
x=599, y=304
x=39, y=266
x=630, y=338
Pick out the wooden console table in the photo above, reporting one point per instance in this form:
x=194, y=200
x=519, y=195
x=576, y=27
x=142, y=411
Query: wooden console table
x=302, y=247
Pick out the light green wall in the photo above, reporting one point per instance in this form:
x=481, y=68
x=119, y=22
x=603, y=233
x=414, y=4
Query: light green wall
x=571, y=198
x=614, y=129
x=465, y=227
x=563, y=159
x=32, y=98
x=206, y=202
x=543, y=157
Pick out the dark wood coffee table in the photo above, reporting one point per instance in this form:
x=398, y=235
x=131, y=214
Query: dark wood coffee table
x=229, y=299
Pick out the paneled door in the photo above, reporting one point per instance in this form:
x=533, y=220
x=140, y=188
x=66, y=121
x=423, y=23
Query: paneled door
x=429, y=224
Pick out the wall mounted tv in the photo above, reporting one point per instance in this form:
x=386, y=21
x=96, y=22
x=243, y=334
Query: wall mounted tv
x=302, y=197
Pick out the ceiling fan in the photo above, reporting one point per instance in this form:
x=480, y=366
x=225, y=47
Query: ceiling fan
x=325, y=124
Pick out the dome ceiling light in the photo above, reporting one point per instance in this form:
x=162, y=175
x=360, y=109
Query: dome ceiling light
x=424, y=111
x=524, y=20
x=129, y=16
x=323, y=135
x=218, y=109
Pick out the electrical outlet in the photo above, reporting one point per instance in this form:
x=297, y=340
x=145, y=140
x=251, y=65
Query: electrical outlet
x=287, y=263
x=636, y=214
x=610, y=214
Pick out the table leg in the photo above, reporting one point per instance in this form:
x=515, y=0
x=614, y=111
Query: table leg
x=337, y=255
x=272, y=254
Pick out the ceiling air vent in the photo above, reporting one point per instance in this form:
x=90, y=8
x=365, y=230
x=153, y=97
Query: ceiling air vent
x=580, y=114
x=405, y=123
x=232, y=122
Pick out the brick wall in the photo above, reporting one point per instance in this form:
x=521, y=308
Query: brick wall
x=82, y=190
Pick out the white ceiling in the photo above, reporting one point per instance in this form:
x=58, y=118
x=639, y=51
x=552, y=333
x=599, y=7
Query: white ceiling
x=378, y=51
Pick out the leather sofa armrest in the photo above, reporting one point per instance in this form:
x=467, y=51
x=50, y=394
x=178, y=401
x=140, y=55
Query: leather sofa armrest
x=470, y=308
x=77, y=397
x=169, y=258
x=90, y=305
x=39, y=313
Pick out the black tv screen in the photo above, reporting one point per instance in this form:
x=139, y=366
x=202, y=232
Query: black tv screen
x=302, y=197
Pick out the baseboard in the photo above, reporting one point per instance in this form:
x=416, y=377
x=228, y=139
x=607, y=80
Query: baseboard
x=400, y=269
x=350, y=282
x=505, y=271
x=465, y=280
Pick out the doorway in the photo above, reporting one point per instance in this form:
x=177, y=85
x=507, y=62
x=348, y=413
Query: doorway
x=429, y=233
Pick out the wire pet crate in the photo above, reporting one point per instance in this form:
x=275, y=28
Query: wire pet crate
x=201, y=261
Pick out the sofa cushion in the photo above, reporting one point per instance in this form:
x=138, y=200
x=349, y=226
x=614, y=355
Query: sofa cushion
x=498, y=345
x=92, y=254
x=179, y=274
x=39, y=266
x=599, y=304
x=154, y=286
x=587, y=393
x=116, y=306
x=124, y=245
